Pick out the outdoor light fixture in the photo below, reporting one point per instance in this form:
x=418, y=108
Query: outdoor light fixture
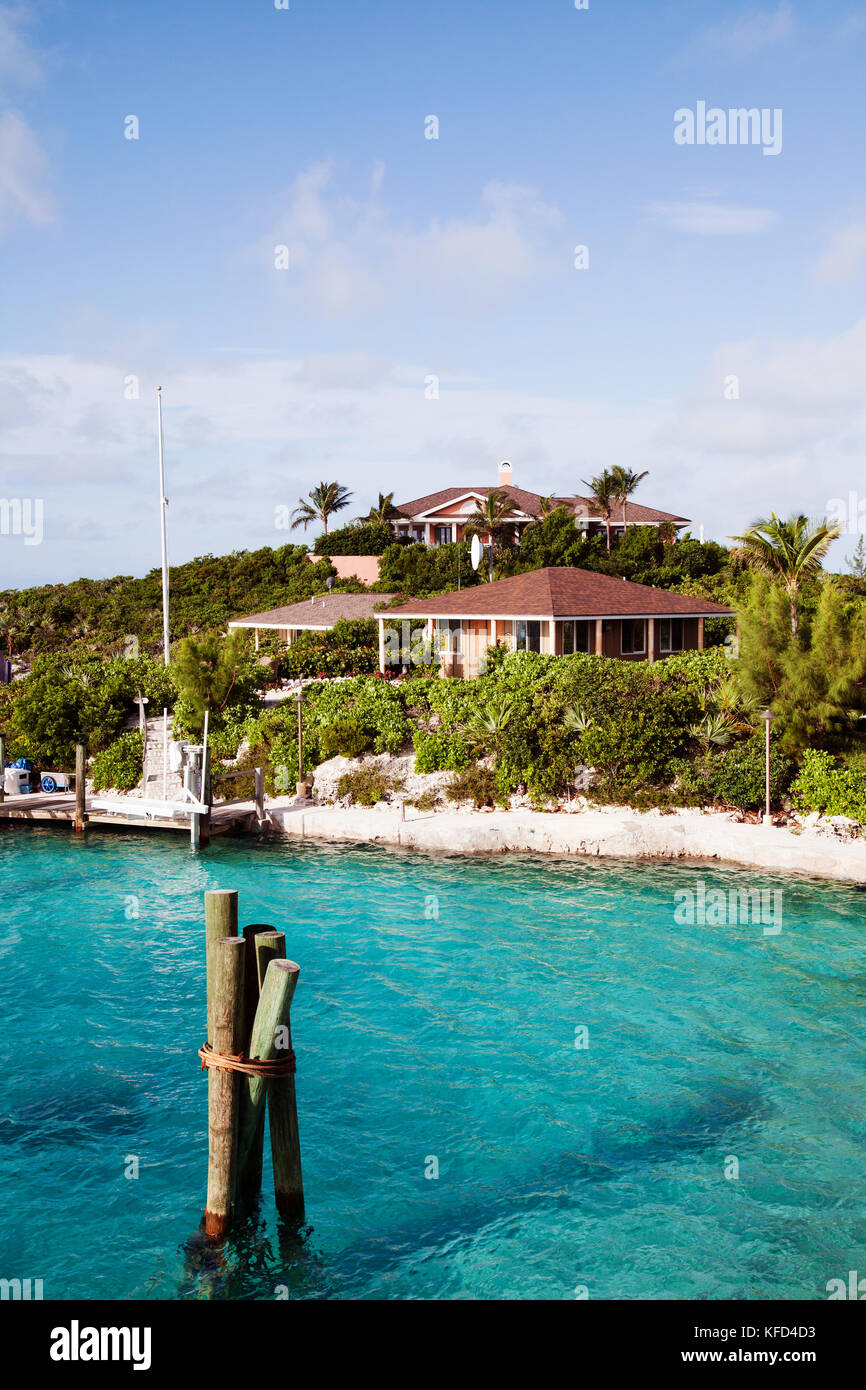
x=767, y=718
x=301, y=786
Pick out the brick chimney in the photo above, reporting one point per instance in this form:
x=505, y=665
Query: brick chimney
x=505, y=475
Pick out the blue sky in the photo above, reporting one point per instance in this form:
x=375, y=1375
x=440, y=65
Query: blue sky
x=154, y=259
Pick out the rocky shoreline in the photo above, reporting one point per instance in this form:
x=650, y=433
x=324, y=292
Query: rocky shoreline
x=812, y=848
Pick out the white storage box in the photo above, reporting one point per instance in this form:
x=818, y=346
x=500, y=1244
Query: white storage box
x=12, y=779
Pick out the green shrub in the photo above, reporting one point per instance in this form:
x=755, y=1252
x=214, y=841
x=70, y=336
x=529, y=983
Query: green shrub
x=281, y=762
x=635, y=720
x=740, y=775
x=119, y=766
x=476, y=784
x=227, y=732
x=369, y=700
x=350, y=648
x=823, y=785
x=855, y=759
x=368, y=785
x=735, y=777
x=346, y=737
x=439, y=751
x=355, y=540
x=96, y=616
x=422, y=569
x=426, y=801
x=62, y=702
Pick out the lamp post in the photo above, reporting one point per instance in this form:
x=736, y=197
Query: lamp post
x=301, y=788
x=767, y=717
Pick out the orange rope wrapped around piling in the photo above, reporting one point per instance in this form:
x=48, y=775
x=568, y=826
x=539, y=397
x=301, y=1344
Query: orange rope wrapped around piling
x=226, y=1061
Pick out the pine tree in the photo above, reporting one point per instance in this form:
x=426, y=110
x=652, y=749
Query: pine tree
x=814, y=681
x=857, y=563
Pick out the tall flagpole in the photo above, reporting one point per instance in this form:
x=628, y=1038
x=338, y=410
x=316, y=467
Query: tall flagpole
x=163, y=503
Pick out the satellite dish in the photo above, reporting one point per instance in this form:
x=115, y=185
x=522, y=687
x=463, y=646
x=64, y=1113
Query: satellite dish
x=329, y=583
x=475, y=552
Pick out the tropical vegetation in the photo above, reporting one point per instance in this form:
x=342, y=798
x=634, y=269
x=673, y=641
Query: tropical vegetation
x=687, y=730
x=320, y=504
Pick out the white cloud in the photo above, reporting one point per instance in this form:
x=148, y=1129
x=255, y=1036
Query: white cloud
x=740, y=36
x=504, y=246
x=844, y=256
x=243, y=437
x=795, y=438
x=347, y=255
x=709, y=218
x=22, y=162
x=18, y=61
x=23, y=196
x=853, y=26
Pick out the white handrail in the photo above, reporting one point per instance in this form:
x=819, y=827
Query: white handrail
x=134, y=805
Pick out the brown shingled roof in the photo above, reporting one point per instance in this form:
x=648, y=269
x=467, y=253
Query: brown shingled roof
x=530, y=504
x=527, y=502
x=320, y=613
x=560, y=593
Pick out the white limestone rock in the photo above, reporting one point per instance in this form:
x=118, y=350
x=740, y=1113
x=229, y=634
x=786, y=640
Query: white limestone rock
x=398, y=767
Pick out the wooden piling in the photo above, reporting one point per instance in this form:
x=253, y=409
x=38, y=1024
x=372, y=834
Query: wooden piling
x=252, y=986
x=80, y=787
x=263, y=945
x=220, y=920
x=269, y=1037
x=224, y=1086
x=285, y=1139
x=270, y=945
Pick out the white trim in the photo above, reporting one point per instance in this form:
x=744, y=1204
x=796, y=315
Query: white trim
x=433, y=514
x=541, y=617
x=139, y=808
x=289, y=627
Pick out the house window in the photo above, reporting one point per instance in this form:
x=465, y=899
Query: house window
x=442, y=535
x=671, y=635
x=633, y=636
x=575, y=637
x=450, y=632
x=418, y=533
x=528, y=635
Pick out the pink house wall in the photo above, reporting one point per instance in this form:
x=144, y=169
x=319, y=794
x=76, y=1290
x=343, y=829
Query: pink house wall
x=366, y=567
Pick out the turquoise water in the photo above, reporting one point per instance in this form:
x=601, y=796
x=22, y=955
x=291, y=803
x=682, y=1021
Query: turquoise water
x=435, y=1018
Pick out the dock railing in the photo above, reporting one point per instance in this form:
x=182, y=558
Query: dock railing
x=258, y=773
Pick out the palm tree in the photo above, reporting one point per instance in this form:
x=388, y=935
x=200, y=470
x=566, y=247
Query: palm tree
x=492, y=518
x=383, y=513
x=485, y=730
x=716, y=727
x=626, y=483
x=603, y=492
x=789, y=551
x=546, y=507
x=325, y=500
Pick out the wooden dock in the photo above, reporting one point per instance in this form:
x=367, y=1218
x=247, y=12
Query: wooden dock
x=126, y=813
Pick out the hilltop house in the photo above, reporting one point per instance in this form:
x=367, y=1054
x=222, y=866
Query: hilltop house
x=441, y=516
x=555, y=610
